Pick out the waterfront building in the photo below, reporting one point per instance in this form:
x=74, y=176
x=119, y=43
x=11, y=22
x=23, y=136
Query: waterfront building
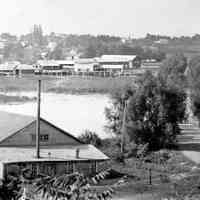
x=117, y=63
x=60, y=152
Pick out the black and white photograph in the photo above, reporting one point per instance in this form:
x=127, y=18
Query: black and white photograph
x=100, y=100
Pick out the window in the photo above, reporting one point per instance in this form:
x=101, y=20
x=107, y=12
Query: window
x=43, y=137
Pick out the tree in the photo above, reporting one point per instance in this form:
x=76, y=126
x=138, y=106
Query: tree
x=37, y=35
x=194, y=84
x=57, y=53
x=153, y=113
x=173, y=69
x=89, y=137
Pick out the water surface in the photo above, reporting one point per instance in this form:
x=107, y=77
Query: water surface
x=73, y=113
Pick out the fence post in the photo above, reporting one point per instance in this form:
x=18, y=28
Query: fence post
x=150, y=176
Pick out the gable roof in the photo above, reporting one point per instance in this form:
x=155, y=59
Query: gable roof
x=11, y=123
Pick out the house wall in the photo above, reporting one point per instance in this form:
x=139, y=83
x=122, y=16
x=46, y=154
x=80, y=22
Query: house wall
x=49, y=136
x=26, y=71
x=52, y=168
x=84, y=67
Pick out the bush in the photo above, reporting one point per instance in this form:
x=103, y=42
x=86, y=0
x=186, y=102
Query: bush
x=89, y=137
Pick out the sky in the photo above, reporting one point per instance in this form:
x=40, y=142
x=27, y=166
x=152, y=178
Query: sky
x=132, y=18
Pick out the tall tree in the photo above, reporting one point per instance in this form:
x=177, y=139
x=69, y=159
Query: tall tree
x=154, y=111
x=173, y=69
x=194, y=84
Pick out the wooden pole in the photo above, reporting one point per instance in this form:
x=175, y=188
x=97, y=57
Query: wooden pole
x=38, y=121
x=150, y=176
x=123, y=127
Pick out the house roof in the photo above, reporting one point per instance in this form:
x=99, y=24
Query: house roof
x=65, y=62
x=47, y=153
x=116, y=58
x=7, y=67
x=47, y=63
x=25, y=67
x=85, y=61
x=10, y=123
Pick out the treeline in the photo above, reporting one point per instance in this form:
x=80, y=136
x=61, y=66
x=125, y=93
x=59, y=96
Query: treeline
x=28, y=48
x=36, y=45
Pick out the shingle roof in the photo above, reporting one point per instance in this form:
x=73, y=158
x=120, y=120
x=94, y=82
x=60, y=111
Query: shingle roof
x=11, y=123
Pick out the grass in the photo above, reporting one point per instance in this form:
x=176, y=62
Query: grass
x=72, y=85
x=177, y=178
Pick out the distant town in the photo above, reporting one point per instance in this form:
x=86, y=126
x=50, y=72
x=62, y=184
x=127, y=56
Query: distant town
x=86, y=55
x=104, y=66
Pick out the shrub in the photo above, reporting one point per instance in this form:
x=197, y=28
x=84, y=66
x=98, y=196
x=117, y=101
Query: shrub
x=89, y=137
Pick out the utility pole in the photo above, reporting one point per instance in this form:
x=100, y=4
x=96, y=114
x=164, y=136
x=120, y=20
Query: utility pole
x=38, y=121
x=123, y=130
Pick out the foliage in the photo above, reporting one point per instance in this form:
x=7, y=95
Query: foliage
x=173, y=69
x=73, y=186
x=9, y=189
x=89, y=137
x=153, y=113
x=194, y=83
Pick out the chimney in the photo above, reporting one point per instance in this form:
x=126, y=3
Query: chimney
x=77, y=153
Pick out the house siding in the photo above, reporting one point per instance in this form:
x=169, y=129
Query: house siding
x=52, y=168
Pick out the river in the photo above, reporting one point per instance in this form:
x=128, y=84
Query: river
x=72, y=113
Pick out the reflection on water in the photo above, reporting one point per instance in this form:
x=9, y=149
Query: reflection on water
x=73, y=113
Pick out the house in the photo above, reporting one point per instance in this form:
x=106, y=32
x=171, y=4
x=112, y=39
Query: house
x=60, y=152
x=151, y=65
x=85, y=64
x=67, y=66
x=25, y=69
x=118, y=63
x=189, y=139
x=9, y=68
x=48, y=67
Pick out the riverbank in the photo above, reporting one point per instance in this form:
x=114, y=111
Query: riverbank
x=69, y=85
x=11, y=99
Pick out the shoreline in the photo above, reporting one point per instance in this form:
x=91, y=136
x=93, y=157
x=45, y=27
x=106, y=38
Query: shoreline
x=73, y=85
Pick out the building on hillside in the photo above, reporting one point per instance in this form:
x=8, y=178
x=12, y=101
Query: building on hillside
x=151, y=65
x=9, y=68
x=48, y=67
x=67, y=66
x=85, y=64
x=188, y=139
x=117, y=63
x=60, y=152
x=162, y=41
x=24, y=69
